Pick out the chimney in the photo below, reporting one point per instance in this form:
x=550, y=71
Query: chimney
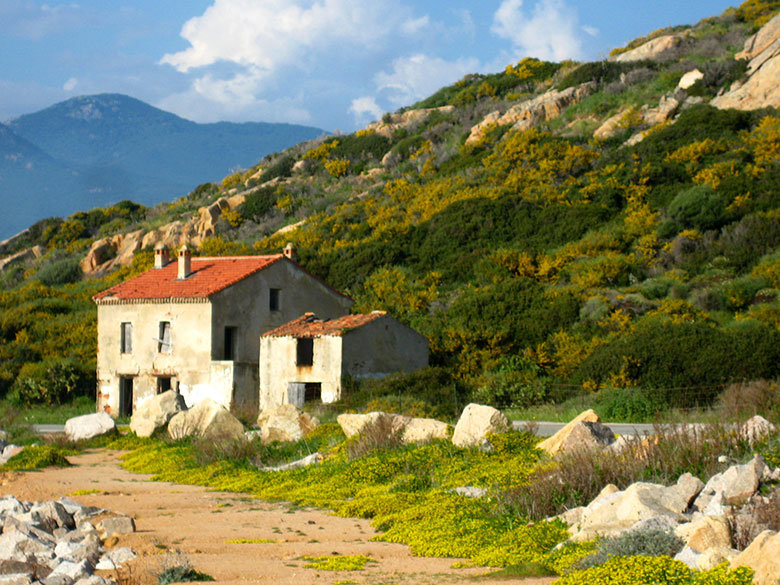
x=290, y=252
x=161, y=256
x=185, y=261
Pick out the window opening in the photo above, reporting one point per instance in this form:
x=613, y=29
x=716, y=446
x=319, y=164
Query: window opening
x=126, y=338
x=231, y=337
x=163, y=384
x=305, y=351
x=273, y=299
x=164, y=341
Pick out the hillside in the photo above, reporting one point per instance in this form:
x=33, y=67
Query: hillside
x=112, y=147
x=555, y=229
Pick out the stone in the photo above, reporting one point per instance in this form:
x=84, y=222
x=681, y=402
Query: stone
x=764, y=39
x=74, y=570
x=690, y=78
x=424, y=430
x=16, y=579
x=617, y=512
x=59, y=579
x=652, y=49
x=475, y=423
x=705, y=532
x=585, y=430
x=689, y=486
x=10, y=505
x=763, y=556
x=85, y=427
x=115, y=526
x=756, y=429
x=115, y=559
x=688, y=556
x=93, y=580
x=740, y=482
x=312, y=459
x=51, y=515
x=207, y=419
x=612, y=126
x=79, y=512
x=404, y=120
x=666, y=108
x=470, y=491
x=155, y=412
x=16, y=545
x=713, y=557
x=353, y=424
x=10, y=451
x=285, y=423
x=571, y=517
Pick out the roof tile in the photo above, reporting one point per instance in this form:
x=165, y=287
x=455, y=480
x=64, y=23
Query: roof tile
x=309, y=325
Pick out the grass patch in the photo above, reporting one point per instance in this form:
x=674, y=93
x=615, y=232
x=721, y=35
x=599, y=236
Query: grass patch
x=84, y=492
x=38, y=457
x=521, y=571
x=252, y=541
x=338, y=562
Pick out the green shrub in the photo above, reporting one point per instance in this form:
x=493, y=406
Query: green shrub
x=628, y=405
x=64, y=271
x=651, y=543
x=280, y=167
x=37, y=457
x=52, y=381
x=258, y=203
x=601, y=72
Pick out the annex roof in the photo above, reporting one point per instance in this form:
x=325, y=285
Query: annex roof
x=309, y=325
x=207, y=277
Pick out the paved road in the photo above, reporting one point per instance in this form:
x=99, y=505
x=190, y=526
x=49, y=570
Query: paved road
x=544, y=429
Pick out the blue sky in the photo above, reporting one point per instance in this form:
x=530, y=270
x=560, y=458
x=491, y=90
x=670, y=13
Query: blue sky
x=335, y=64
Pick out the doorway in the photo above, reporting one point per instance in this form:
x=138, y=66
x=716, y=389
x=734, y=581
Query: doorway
x=125, y=396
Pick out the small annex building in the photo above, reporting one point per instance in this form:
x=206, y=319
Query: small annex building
x=307, y=358
x=193, y=325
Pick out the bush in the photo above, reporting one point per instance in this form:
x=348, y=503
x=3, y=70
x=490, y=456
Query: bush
x=176, y=568
x=628, y=405
x=379, y=434
x=281, y=167
x=649, y=542
x=258, y=203
x=700, y=207
x=601, y=72
x=745, y=399
x=64, y=271
x=37, y=457
x=52, y=381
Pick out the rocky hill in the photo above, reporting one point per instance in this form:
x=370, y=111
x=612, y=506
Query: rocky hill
x=95, y=150
x=554, y=228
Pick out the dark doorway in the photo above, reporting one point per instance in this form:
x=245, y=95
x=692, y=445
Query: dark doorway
x=163, y=384
x=231, y=337
x=313, y=392
x=125, y=396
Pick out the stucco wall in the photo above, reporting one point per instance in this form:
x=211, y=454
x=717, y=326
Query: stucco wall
x=383, y=347
x=278, y=368
x=190, y=341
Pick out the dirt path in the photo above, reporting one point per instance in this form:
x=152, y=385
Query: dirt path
x=198, y=522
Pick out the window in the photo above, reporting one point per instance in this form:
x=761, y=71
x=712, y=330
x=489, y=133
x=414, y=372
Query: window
x=164, y=341
x=126, y=338
x=305, y=351
x=231, y=337
x=273, y=299
x=163, y=384
x=313, y=392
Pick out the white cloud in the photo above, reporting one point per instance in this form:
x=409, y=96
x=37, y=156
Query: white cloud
x=71, y=84
x=418, y=76
x=365, y=109
x=268, y=34
x=549, y=32
x=414, y=26
x=591, y=30
x=28, y=19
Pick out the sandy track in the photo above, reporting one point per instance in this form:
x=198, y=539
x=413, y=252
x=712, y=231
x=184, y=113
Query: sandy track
x=198, y=522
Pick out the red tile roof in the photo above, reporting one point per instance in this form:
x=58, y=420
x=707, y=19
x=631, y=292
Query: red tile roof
x=308, y=325
x=208, y=276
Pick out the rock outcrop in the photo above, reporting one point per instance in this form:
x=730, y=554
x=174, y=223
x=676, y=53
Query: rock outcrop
x=475, y=423
x=22, y=256
x=404, y=121
x=353, y=424
x=155, y=412
x=652, y=49
x=207, y=419
x=532, y=112
x=87, y=426
x=285, y=423
x=763, y=556
x=424, y=430
x=761, y=89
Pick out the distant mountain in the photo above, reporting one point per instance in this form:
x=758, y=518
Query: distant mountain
x=93, y=150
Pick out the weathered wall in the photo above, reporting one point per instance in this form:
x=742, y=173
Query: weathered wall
x=187, y=362
x=383, y=347
x=277, y=368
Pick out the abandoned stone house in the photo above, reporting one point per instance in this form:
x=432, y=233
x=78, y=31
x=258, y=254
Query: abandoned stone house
x=194, y=325
x=307, y=358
